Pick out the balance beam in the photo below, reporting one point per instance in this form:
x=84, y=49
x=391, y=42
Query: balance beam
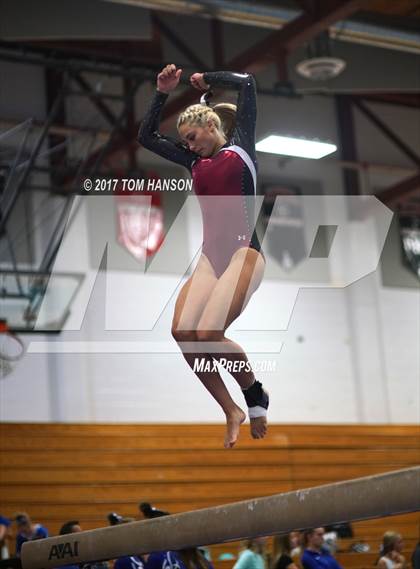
x=359, y=499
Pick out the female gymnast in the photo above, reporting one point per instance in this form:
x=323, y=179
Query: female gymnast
x=218, y=148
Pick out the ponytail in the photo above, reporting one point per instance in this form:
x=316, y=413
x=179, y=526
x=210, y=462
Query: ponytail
x=223, y=114
x=227, y=114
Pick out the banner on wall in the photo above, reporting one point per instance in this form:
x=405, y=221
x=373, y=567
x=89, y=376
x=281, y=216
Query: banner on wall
x=410, y=242
x=140, y=222
x=286, y=238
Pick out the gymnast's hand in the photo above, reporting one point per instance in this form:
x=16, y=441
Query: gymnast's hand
x=168, y=78
x=197, y=82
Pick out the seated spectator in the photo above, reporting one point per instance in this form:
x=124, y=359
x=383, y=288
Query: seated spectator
x=73, y=526
x=315, y=556
x=342, y=530
x=295, y=538
x=194, y=558
x=127, y=561
x=5, y=524
x=27, y=531
x=415, y=558
x=253, y=556
x=191, y=558
x=70, y=527
x=331, y=541
x=391, y=552
x=163, y=560
x=283, y=545
x=282, y=551
x=149, y=512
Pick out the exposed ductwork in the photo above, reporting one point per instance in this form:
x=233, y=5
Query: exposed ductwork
x=266, y=16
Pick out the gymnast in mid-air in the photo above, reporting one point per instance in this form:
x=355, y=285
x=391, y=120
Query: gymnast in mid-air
x=217, y=146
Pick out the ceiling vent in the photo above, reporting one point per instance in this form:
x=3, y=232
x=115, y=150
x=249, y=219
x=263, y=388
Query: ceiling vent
x=320, y=63
x=321, y=68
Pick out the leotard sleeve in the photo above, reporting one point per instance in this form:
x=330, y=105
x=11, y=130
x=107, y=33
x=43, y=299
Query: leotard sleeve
x=246, y=113
x=165, y=146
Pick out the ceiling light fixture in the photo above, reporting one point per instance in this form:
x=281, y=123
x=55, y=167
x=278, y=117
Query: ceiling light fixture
x=300, y=147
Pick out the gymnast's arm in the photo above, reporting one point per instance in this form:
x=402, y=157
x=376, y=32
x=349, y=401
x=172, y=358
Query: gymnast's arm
x=246, y=113
x=165, y=146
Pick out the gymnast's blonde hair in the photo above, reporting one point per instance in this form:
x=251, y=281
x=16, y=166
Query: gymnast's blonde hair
x=222, y=114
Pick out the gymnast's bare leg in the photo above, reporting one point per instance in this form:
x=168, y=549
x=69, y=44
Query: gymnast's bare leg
x=205, y=307
x=228, y=299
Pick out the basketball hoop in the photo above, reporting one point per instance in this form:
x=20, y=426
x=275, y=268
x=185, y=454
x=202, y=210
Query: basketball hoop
x=11, y=349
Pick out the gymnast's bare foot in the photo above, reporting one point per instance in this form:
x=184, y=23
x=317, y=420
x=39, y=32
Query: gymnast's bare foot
x=233, y=422
x=257, y=399
x=258, y=427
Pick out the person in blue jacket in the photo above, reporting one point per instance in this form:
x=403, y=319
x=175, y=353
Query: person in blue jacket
x=189, y=558
x=5, y=524
x=27, y=531
x=315, y=556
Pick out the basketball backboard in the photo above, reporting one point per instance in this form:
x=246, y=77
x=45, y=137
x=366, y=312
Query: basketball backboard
x=22, y=294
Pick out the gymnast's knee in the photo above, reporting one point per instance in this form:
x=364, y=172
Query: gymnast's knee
x=210, y=335
x=183, y=335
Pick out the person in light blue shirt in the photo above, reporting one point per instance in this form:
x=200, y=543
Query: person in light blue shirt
x=252, y=557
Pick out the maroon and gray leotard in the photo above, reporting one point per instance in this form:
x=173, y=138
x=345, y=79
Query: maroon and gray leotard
x=225, y=184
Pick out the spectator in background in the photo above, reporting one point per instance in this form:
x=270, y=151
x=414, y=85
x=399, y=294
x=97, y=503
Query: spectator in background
x=330, y=541
x=415, y=558
x=191, y=558
x=70, y=527
x=315, y=556
x=163, y=560
x=194, y=558
x=253, y=556
x=283, y=545
x=391, y=552
x=149, y=512
x=127, y=561
x=27, y=531
x=114, y=519
x=5, y=524
x=73, y=526
x=158, y=559
x=295, y=538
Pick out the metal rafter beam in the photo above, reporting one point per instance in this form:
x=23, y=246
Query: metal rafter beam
x=54, y=110
x=54, y=83
x=347, y=139
x=95, y=98
x=27, y=53
x=118, y=139
x=291, y=36
x=217, y=43
x=399, y=143
x=58, y=129
x=288, y=38
x=404, y=99
x=179, y=43
x=400, y=192
x=130, y=120
x=131, y=51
